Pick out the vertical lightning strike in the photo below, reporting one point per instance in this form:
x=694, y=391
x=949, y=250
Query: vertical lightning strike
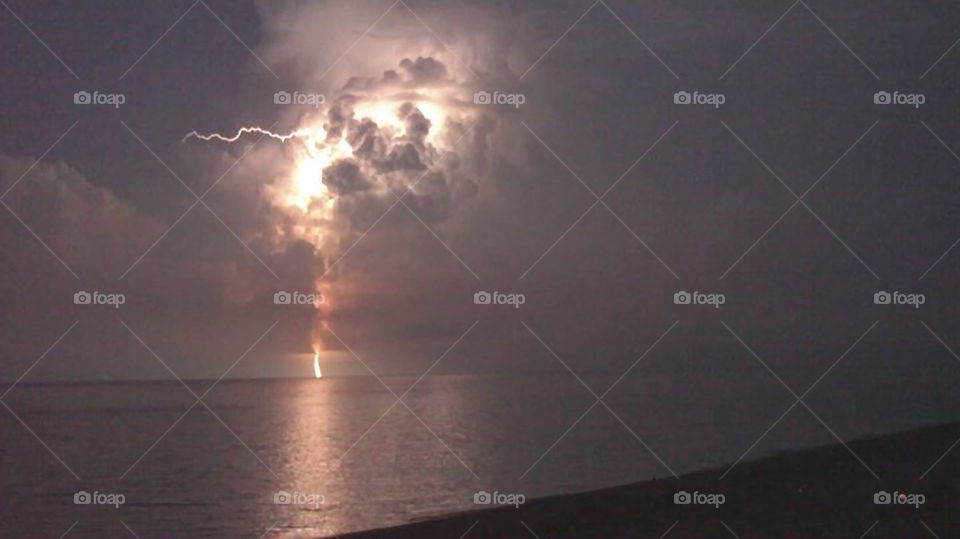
x=306, y=183
x=300, y=191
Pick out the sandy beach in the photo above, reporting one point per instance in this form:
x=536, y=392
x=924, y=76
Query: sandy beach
x=821, y=492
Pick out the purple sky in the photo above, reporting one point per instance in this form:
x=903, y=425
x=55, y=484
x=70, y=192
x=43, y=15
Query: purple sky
x=506, y=206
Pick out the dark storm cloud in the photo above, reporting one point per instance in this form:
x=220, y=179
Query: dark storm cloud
x=100, y=236
x=402, y=156
x=197, y=287
x=86, y=225
x=418, y=126
x=423, y=70
x=363, y=137
x=498, y=199
x=344, y=177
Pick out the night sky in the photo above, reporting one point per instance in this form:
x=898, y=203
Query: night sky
x=798, y=198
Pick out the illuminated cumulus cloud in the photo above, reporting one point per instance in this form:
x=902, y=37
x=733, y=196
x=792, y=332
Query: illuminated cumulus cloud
x=404, y=133
x=409, y=132
x=318, y=42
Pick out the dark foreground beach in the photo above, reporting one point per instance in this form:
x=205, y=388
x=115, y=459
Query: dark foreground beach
x=822, y=492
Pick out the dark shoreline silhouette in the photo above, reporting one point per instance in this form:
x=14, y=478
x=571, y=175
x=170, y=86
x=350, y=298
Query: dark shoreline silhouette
x=819, y=492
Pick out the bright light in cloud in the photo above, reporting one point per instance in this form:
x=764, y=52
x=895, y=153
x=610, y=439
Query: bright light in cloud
x=383, y=112
x=379, y=137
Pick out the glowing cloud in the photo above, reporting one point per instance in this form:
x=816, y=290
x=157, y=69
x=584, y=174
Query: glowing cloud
x=378, y=140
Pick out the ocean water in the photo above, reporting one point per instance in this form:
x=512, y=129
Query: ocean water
x=188, y=471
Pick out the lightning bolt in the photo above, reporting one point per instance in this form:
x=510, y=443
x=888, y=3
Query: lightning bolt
x=299, y=133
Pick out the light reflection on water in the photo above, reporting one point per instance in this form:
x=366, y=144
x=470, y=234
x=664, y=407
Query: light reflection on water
x=203, y=479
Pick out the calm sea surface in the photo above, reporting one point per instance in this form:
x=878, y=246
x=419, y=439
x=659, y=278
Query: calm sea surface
x=188, y=471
